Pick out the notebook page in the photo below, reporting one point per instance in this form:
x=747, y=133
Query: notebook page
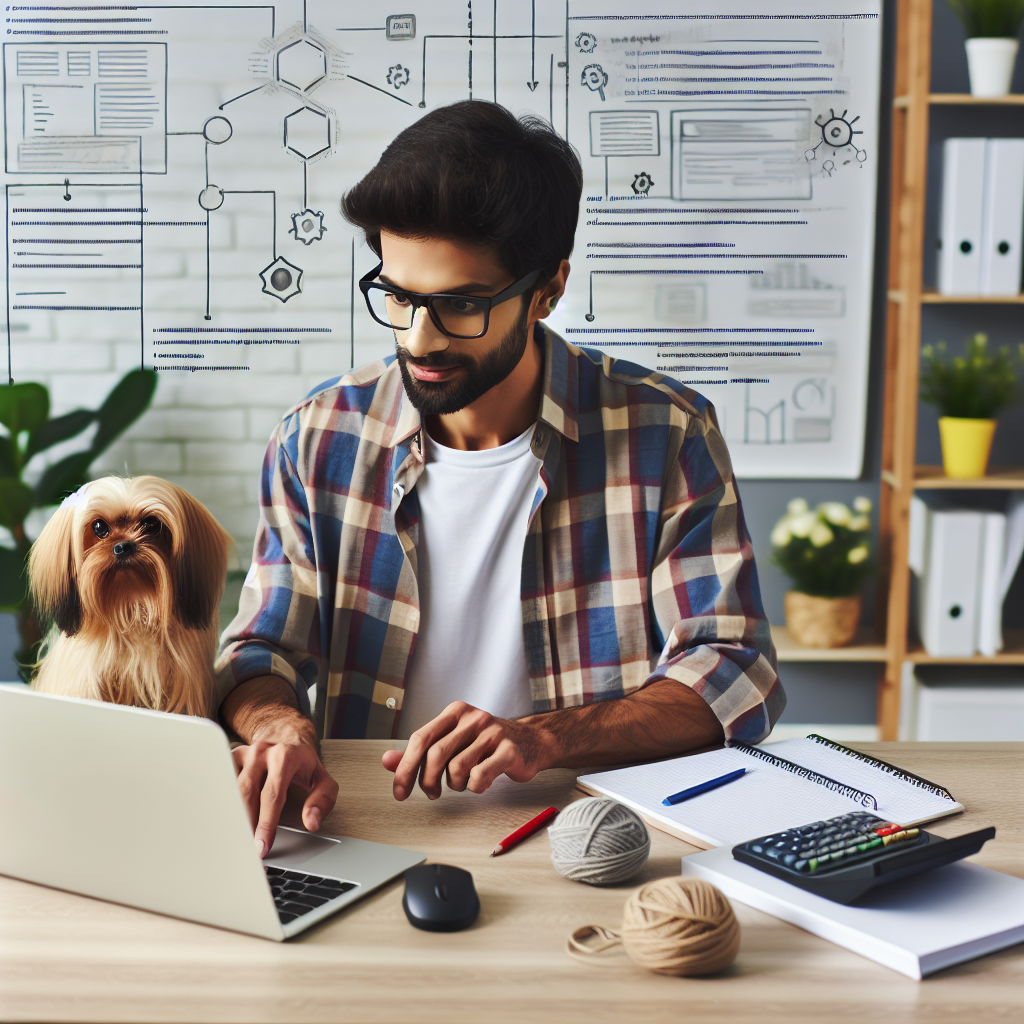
x=903, y=802
x=767, y=799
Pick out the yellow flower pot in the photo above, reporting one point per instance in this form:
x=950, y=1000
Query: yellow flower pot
x=965, y=446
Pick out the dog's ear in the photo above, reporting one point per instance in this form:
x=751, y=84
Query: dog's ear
x=53, y=577
x=201, y=564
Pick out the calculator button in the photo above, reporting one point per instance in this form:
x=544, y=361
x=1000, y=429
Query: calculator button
x=757, y=848
x=800, y=865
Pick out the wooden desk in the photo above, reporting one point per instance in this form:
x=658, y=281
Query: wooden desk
x=68, y=958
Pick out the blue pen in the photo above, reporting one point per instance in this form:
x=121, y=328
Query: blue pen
x=702, y=787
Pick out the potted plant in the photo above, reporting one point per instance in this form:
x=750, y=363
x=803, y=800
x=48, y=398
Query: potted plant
x=825, y=552
x=25, y=412
x=969, y=391
x=991, y=27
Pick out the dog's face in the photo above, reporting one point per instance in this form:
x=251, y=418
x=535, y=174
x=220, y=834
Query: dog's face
x=124, y=554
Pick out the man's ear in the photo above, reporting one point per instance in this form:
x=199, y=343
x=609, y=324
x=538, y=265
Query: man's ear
x=53, y=577
x=545, y=300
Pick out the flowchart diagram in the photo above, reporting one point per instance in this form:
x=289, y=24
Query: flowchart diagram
x=172, y=177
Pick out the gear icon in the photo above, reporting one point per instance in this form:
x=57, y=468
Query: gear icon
x=281, y=279
x=307, y=227
x=836, y=134
x=642, y=183
x=586, y=42
x=398, y=76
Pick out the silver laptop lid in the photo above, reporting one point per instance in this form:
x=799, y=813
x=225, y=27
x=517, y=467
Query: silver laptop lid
x=133, y=806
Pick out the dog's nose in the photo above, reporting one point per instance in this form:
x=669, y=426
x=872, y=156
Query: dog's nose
x=124, y=548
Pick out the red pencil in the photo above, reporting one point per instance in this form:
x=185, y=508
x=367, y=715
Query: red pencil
x=526, y=830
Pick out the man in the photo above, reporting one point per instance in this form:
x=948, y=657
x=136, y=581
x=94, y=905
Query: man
x=516, y=553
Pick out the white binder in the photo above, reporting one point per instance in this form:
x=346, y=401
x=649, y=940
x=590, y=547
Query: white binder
x=990, y=594
x=1002, y=217
x=963, y=189
x=948, y=605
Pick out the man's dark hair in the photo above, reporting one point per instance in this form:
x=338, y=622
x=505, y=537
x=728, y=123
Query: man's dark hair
x=473, y=172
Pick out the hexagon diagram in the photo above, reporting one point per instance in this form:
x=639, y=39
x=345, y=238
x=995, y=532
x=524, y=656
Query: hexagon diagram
x=282, y=279
x=301, y=65
x=307, y=226
x=307, y=133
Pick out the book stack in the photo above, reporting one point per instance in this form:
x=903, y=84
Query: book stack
x=982, y=218
x=965, y=561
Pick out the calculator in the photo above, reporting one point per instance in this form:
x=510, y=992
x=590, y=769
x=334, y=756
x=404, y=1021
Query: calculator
x=842, y=858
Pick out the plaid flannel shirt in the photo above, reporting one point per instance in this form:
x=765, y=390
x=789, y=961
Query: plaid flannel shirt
x=637, y=564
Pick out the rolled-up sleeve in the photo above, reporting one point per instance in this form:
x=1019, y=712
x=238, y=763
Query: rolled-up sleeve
x=277, y=629
x=705, y=593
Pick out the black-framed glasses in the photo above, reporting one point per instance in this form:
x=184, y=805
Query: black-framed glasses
x=457, y=316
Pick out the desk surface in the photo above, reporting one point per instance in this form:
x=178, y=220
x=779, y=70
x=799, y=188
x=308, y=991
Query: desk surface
x=69, y=958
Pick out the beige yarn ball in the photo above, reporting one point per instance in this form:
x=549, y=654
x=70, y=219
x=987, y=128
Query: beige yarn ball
x=680, y=926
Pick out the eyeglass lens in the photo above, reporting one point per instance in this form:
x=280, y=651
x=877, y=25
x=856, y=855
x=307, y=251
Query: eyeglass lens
x=458, y=315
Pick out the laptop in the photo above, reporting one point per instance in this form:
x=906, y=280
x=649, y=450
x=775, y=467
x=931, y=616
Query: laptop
x=142, y=808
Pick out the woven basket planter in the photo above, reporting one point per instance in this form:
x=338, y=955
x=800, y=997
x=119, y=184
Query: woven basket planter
x=822, y=621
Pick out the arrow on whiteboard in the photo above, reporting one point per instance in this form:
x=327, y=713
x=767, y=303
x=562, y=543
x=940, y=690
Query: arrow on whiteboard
x=532, y=84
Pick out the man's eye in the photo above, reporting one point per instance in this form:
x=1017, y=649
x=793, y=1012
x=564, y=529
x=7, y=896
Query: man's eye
x=398, y=298
x=150, y=525
x=101, y=529
x=462, y=306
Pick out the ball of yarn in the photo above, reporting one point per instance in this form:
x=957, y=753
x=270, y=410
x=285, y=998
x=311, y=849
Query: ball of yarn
x=680, y=926
x=598, y=841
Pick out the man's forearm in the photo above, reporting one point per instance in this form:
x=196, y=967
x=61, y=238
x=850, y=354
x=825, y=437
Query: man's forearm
x=660, y=720
x=266, y=709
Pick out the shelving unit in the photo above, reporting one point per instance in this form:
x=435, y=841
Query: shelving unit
x=900, y=476
x=906, y=295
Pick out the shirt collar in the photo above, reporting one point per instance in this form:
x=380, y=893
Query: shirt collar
x=559, y=403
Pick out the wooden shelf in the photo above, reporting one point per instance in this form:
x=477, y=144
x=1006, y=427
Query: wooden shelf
x=864, y=648
x=946, y=99
x=1012, y=654
x=998, y=478
x=930, y=295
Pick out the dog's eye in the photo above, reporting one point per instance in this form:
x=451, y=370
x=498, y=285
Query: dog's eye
x=150, y=525
x=100, y=528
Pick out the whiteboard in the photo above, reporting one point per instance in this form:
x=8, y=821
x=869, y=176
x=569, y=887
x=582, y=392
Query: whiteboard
x=172, y=176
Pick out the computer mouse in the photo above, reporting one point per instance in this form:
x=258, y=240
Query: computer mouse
x=440, y=898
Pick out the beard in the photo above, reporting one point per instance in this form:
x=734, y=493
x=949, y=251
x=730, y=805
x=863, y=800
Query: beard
x=446, y=397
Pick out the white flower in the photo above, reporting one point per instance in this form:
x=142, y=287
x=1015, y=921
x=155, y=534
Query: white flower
x=835, y=512
x=857, y=555
x=860, y=523
x=862, y=505
x=801, y=525
x=821, y=535
x=781, y=535
x=797, y=507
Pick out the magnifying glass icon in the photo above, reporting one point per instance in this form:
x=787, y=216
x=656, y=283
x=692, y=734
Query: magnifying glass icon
x=595, y=78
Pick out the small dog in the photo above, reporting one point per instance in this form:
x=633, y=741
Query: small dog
x=131, y=572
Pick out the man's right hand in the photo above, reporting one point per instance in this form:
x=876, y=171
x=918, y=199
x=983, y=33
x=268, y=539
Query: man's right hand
x=281, y=750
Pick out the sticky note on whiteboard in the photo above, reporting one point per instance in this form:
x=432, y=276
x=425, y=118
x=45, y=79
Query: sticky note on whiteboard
x=624, y=133
x=401, y=26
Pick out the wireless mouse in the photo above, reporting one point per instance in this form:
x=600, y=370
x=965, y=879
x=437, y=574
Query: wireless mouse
x=440, y=898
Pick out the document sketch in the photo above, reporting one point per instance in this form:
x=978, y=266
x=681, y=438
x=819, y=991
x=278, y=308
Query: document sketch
x=172, y=176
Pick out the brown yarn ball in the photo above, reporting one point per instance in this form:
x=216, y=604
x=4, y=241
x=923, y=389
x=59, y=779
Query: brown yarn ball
x=680, y=926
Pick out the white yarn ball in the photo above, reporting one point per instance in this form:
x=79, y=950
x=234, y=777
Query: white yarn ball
x=598, y=841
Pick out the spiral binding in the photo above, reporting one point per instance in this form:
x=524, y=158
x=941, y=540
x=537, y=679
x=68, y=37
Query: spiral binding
x=904, y=776
x=857, y=795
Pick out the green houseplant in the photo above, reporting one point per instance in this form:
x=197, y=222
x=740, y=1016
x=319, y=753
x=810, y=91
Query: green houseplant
x=991, y=28
x=969, y=391
x=25, y=413
x=825, y=552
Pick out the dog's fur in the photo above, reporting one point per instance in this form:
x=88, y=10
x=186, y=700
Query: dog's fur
x=139, y=627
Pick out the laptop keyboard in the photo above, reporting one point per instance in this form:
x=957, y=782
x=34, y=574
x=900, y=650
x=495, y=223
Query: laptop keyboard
x=297, y=893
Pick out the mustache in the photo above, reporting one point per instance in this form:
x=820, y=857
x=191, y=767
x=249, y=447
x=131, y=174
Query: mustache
x=434, y=360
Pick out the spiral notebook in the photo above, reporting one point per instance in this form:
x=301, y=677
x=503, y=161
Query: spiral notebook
x=787, y=784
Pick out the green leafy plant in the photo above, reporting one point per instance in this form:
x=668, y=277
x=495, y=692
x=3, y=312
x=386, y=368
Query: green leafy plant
x=25, y=412
x=824, y=551
x=974, y=386
x=989, y=19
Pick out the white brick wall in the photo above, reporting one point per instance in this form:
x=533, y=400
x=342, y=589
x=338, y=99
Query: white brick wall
x=207, y=431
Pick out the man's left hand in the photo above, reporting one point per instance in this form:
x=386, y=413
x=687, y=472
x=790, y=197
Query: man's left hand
x=473, y=748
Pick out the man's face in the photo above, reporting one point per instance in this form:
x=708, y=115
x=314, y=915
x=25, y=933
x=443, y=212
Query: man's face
x=443, y=375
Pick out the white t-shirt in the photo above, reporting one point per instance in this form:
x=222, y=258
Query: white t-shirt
x=474, y=513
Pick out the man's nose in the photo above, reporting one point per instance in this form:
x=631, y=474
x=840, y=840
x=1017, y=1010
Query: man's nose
x=423, y=337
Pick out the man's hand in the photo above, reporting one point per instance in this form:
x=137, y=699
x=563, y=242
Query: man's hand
x=473, y=748
x=281, y=750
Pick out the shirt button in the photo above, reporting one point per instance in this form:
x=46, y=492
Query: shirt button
x=390, y=703
x=539, y=436
x=399, y=491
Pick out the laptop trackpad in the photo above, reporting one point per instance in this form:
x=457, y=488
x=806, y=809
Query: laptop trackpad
x=293, y=849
